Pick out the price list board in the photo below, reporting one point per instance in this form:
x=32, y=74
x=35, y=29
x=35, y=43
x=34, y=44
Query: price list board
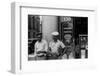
x=66, y=27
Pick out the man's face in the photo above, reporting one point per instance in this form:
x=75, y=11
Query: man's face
x=39, y=38
x=68, y=40
x=55, y=38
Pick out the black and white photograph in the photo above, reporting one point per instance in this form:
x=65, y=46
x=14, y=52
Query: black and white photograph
x=53, y=39
x=57, y=37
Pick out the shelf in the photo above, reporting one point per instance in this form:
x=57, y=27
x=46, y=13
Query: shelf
x=67, y=31
x=32, y=38
x=68, y=28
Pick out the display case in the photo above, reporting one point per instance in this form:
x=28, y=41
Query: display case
x=83, y=41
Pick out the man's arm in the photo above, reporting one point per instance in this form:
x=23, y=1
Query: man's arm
x=62, y=45
x=49, y=48
x=62, y=49
x=46, y=46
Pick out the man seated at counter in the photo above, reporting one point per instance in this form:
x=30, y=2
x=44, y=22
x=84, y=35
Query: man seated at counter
x=56, y=46
x=41, y=47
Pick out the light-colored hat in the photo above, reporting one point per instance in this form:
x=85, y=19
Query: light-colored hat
x=55, y=33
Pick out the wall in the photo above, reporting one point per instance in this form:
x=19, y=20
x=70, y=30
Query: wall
x=49, y=25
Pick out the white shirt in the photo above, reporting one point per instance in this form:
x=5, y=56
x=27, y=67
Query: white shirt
x=55, y=45
x=41, y=46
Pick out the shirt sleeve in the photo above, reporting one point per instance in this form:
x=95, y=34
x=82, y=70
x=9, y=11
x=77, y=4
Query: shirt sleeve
x=62, y=44
x=50, y=44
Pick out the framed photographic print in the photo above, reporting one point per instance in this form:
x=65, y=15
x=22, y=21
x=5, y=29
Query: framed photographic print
x=50, y=38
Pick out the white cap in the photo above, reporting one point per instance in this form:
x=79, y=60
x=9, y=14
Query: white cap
x=55, y=33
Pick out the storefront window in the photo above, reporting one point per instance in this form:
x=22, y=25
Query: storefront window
x=34, y=27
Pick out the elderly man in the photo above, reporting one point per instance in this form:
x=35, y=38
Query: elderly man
x=41, y=48
x=56, y=46
x=69, y=42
